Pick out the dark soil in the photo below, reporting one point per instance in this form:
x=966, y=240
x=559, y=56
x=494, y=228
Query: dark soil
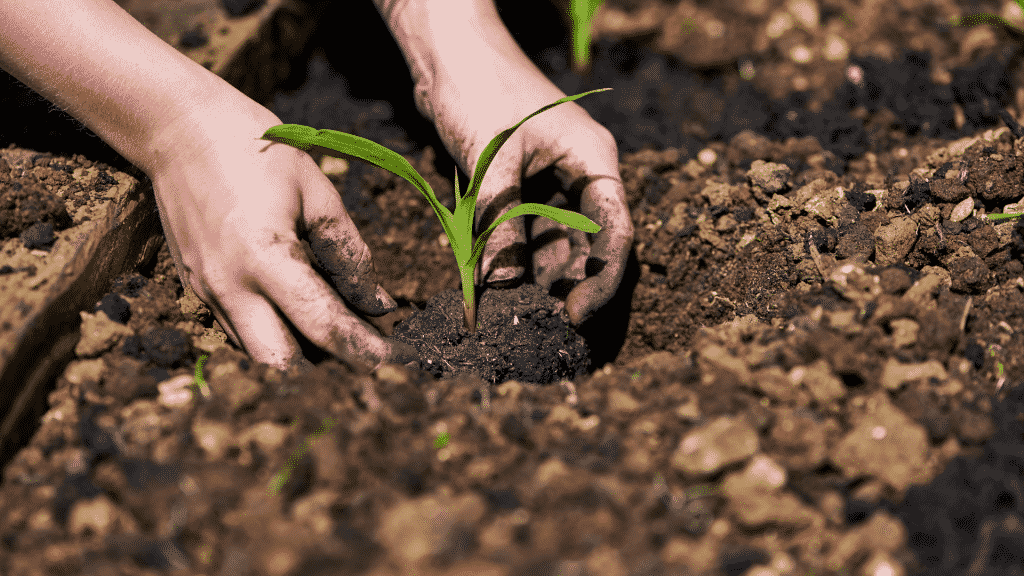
x=522, y=334
x=813, y=366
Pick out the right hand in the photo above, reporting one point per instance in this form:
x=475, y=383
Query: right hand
x=233, y=209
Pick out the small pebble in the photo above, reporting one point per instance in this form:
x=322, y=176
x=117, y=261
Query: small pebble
x=174, y=392
x=962, y=210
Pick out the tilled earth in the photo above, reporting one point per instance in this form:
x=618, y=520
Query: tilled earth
x=820, y=374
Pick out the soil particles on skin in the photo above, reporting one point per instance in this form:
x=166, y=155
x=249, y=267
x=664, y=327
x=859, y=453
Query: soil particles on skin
x=813, y=365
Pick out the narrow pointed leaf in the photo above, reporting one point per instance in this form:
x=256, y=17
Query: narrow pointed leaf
x=339, y=144
x=463, y=242
x=1003, y=216
x=458, y=197
x=491, y=150
x=570, y=219
x=582, y=12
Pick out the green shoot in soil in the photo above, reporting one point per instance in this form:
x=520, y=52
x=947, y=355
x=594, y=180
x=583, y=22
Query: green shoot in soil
x=279, y=479
x=1001, y=217
x=973, y=19
x=582, y=12
x=458, y=226
x=199, y=383
x=441, y=440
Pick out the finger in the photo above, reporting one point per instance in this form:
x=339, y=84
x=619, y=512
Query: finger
x=504, y=259
x=253, y=325
x=560, y=252
x=339, y=250
x=315, y=310
x=590, y=165
x=603, y=201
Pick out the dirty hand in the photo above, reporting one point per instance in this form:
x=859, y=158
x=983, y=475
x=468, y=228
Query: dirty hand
x=585, y=159
x=473, y=81
x=235, y=209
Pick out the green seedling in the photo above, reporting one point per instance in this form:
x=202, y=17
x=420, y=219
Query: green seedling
x=199, y=383
x=441, y=440
x=973, y=19
x=279, y=479
x=582, y=14
x=458, y=226
x=1002, y=217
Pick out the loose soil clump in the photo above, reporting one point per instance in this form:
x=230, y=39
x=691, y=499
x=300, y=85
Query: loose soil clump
x=522, y=334
x=818, y=370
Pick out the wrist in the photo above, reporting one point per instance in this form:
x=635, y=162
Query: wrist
x=459, y=46
x=224, y=117
x=104, y=68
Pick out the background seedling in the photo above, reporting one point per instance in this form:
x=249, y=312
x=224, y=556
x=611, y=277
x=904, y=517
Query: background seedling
x=582, y=14
x=199, y=383
x=441, y=440
x=973, y=19
x=458, y=225
x=279, y=479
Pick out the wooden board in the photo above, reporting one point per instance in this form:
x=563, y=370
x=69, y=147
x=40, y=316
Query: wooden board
x=39, y=313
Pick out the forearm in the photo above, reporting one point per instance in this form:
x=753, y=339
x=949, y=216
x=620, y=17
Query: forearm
x=459, y=42
x=92, y=59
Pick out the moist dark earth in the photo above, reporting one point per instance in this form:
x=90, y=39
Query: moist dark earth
x=812, y=367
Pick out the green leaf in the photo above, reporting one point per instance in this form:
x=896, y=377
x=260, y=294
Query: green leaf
x=571, y=219
x=491, y=150
x=1005, y=216
x=464, y=213
x=198, y=381
x=582, y=13
x=339, y=144
x=441, y=440
x=458, y=197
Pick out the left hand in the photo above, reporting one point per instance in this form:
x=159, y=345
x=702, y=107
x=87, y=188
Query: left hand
x=585, y=159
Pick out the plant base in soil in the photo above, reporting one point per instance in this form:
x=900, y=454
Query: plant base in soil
x=522, y=334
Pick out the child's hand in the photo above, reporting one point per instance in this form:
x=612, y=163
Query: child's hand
x=234, y=209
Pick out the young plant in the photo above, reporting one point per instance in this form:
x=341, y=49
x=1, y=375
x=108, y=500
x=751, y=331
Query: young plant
x=1002, y=217
x=198, y=383
x=458, y=226
x=973, y=19
x=582, y=13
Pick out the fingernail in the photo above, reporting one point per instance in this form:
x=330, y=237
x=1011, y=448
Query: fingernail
x=385, y=300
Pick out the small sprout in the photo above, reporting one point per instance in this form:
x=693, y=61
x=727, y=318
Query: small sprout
x=582, y=13
x=1002, y=217
x=278, y=480
x=200, y=384
x=458, y=225
x=441, y=440
x=973, y=19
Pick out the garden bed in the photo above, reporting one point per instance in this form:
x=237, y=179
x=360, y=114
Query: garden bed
x=812, y=366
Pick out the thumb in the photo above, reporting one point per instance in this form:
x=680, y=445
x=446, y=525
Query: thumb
x=337, y=248
x=503, y=261
x=349, y=265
